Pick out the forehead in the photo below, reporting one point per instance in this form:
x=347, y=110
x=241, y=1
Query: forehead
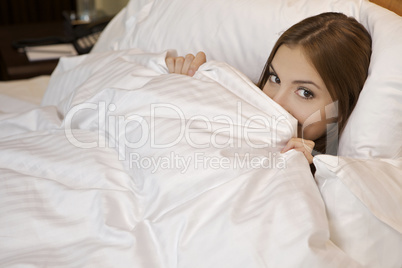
x=292, y=63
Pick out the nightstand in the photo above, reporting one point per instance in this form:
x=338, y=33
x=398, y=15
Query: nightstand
x=15, y=65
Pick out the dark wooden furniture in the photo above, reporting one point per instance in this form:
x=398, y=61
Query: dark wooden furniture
x=393, y=5
x=14, y=64
x=33, y=11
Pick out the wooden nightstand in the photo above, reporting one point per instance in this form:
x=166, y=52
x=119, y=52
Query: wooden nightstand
x=15, y=65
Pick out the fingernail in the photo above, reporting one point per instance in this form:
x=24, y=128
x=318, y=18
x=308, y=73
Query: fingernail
x=191, y=72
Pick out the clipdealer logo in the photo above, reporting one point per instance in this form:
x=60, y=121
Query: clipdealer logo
x=199, y=160
x=133, y=131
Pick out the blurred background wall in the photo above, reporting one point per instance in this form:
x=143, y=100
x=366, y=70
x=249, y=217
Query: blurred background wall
x=110, y=7
x=31, y=11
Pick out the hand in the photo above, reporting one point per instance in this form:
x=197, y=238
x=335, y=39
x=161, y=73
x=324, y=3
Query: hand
x=301, y=145
x=188, y=65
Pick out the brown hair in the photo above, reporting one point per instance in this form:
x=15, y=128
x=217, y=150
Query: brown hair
x=339, y=47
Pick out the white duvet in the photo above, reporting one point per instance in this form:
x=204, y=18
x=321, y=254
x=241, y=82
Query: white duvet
x=125, y=165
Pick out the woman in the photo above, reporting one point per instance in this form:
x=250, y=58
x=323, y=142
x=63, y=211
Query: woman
x=315, y=71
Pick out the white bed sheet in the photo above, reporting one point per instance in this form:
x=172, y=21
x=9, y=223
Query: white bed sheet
x=63, y=205
x=24, y=94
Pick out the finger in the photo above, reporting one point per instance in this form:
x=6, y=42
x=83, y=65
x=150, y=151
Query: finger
x=299, y=143
x=290, y=145
x=308, y=144
x=199, y=60
x=307, y=155
x=178, y=65
x=187, y=62
x=170, y=64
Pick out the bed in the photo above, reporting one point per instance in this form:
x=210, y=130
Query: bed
x=113, y=162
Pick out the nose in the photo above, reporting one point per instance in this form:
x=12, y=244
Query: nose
x=280, y=97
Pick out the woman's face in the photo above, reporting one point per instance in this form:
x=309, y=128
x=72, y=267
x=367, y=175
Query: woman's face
x=295, y=84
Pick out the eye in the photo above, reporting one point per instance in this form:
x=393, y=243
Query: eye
x=305, y=93
x=274, y=78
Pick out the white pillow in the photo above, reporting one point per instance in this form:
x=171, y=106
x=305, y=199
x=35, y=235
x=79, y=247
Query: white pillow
x=242, y=33
x=127, y=18
x=375, y=126
x=363, y=199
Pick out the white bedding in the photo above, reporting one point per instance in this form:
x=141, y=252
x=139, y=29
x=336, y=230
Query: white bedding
x=108, y=193
x=79, y=187
x=22, y=95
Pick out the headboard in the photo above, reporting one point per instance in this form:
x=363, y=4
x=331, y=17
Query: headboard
x=393, y=5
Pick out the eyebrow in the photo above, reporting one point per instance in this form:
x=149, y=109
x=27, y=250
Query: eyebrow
x=297, y=81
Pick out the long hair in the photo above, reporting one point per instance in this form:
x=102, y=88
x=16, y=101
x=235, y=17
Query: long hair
x=339, y=47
